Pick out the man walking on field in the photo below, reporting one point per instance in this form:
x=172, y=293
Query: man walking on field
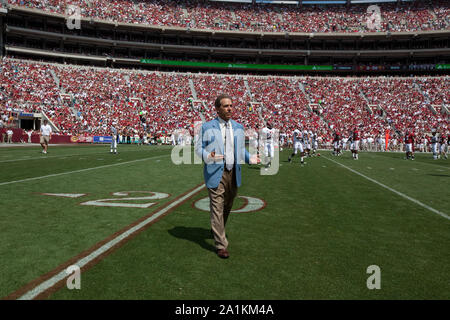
x=45, y=135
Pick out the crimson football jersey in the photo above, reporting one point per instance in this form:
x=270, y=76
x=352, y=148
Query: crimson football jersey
x=355, y=135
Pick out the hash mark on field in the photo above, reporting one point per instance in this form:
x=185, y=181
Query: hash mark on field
x=65, y=195
x=415, y=169
x=391, y=168
x=442, y=214
x=369, y=168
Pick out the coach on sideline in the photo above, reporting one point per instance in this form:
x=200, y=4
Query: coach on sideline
x=221, y=145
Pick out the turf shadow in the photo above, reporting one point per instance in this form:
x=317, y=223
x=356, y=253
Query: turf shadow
x=438, y=175
x=194, y=234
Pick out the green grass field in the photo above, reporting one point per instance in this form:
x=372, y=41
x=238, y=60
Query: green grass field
x=322, y=226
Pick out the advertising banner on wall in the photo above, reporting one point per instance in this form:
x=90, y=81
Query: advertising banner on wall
x=83, y=139
x=102, y=139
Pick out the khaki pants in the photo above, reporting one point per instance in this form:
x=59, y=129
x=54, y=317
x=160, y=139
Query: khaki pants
x=45, y=140
x=221, y=201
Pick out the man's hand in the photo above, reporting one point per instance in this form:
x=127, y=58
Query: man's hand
x=254, y=159
x=215, y=157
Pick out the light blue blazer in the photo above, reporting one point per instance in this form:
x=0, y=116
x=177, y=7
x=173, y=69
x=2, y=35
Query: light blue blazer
x=209, y=140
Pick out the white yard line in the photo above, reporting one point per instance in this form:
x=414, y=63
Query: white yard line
x=82, y=262
x=42, y=156
x=47, y=157
x=81, y=170
x=442, y=214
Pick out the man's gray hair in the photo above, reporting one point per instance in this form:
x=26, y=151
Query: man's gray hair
x=219, y=98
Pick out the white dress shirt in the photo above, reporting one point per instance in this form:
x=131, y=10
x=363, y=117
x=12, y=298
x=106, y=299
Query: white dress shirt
x=222, y=124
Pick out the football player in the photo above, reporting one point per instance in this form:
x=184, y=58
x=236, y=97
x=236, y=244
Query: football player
x=354, y=146
x=114, y=138
x=307, y=143
x=443, y=147
x=434, y=145
x=336, y=144
x=298, y=146
x=268, y=134
x=314, y=143
x=282, y=141
x=409, y=145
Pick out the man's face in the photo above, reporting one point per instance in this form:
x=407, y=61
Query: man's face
x=225, y=110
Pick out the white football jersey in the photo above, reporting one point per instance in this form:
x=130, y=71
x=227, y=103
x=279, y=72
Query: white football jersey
x=268, y=133
x=297, y=135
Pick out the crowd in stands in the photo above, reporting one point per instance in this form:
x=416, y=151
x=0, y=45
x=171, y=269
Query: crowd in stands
x=30, y=88
x=204, y=14
x=285, y=105
x=208, y=86
x=397, y=97
x=83, y=100
x=405, y=103
x=342, y=106
x=36, y=84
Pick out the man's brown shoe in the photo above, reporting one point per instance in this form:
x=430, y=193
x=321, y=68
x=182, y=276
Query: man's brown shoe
x=223, y=253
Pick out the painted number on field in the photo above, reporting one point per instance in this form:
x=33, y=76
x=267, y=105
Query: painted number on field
x=113, y=202
x=250, y=204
